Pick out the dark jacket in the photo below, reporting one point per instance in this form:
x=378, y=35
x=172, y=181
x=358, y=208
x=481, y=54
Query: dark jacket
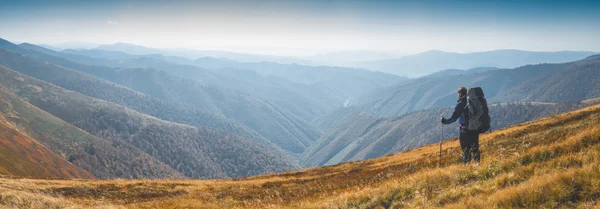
x=459, y=113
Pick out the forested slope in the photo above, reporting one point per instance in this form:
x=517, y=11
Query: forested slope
x=23, y=156
x=98, y=156
x=194, y=151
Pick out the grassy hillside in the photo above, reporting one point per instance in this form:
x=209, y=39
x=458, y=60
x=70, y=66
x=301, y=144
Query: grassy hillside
x=549, y=163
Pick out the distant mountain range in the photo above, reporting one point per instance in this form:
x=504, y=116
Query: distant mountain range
x=393, y=63
x=579, y=82
x=454, y=72
x=195, y=54
x=432, y=61
x=305, y=91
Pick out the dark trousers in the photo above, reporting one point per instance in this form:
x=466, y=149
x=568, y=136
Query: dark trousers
x=469, y=142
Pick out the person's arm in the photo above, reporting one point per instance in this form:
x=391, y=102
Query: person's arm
x=458, y=110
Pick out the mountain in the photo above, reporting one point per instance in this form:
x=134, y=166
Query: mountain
x=432, y=61
x=273, y=123
x=304, y=91
x=346, y=58
x=301, y=100
x=363, y=136
x=548, y=163
x=183, y=101
x=129, y=48
x=455, y=72
x=76, y=45
x=97, y=156
x=22, y=156
x=303, y=74
x=101, y=89
x=195, y=136
x=195, y=152
x=195, y=54
x=580, y=82
x=94, y=53
x=499, y=86
x=50, y=47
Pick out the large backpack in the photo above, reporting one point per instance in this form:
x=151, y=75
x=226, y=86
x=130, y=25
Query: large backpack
x=479, y=115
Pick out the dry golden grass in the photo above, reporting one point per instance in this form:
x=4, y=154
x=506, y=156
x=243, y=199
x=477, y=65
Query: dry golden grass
x=549, y=163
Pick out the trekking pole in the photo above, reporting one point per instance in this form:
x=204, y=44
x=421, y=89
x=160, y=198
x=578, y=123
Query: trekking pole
x=441, y=140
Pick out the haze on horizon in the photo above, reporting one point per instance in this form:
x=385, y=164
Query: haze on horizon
x=309, y=27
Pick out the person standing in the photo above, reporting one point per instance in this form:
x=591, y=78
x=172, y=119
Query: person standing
x=469, y=140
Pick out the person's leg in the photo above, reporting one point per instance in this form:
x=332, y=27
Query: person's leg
x=475, y=147
x=465, y=146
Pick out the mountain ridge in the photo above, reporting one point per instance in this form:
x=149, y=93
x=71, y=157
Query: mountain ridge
x=124, y=126
x=436, y=92
x=421, y=64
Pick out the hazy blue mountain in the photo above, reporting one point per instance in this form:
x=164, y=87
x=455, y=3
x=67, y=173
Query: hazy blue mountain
x=12, y=47
x=194, y=54
x=346, y=58
x=301, y=100
x=101, y=54
x=305, y=91
x=453, y=72
x=276, y=125
x=129, y=48
x=432, y=92
x=38, y=48
x=305, y=74
x=581, y=81
x=237, y=56
x=50, y=47
x=431, y=61
x=75, y=45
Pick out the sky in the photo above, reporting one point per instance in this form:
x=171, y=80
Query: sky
x=310, y=27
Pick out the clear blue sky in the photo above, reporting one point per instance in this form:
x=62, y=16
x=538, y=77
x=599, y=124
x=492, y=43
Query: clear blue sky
x=305, y=27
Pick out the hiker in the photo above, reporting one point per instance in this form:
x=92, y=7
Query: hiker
x=469, y=139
